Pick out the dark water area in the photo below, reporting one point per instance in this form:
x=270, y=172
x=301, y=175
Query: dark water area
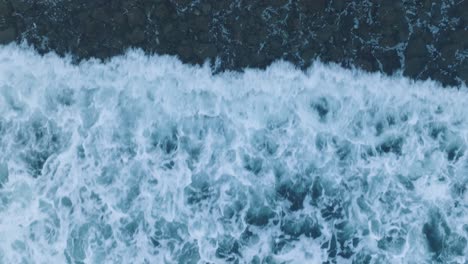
x=423, y=39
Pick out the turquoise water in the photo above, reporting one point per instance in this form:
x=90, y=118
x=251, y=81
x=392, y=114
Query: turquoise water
x=143, y=159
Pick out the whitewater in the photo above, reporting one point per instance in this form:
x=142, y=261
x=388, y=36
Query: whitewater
x=144, y=159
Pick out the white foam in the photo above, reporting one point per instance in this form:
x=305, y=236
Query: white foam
x=107, y=130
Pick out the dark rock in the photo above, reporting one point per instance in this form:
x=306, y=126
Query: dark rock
x=4, y=8
x=394, y=26
x=338, y=6
x=119, y=19
x=416, y=47
x=196, y=12
x=136, y=17
x=312, y=6
x=205, y=51
x=308, y=55
x=101, y=14
x=278, y=3
x=7, y=35
x=185, y=52
x=162, y=11
x=414, y=66
x=168, y=28
x=206, y=8
x=448, y=53
x=20, y=6
x=365, y=64
x=389, y=60
x=201, y=24
x=137, y=36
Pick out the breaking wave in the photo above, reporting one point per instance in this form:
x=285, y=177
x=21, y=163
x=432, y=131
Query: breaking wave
x=143, y=159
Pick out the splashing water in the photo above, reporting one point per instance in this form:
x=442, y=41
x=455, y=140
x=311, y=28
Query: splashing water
x=143, y=159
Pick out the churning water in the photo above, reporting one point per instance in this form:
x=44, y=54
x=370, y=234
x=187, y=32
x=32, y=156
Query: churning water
x=143, y=159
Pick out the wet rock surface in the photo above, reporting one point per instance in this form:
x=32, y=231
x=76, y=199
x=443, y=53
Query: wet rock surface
x=423, y=39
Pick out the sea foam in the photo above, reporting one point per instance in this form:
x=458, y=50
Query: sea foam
x=142, y=159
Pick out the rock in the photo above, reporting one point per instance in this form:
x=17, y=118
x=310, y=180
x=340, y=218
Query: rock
x=278, y=3
x=414, y=66
x=416, y=47
x=20, y=5
x=119, y=19
x=170, y=33
x=161, y=11
x=137, y=36
x=8, y=35
x=389, y=59
x=365, y=64
x=204, y=51
x=206, y=8
x=101, y=15
x=136, y=17
x=308, y=55
x=4, y=8
x=201, y=24
x=168, y=28
x=338, y=6
x=312, y=6
x=184, y=51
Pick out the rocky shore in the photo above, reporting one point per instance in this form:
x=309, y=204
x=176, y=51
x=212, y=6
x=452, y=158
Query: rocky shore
x=424, y=39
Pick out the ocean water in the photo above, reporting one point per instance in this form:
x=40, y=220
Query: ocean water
x=143, y=159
